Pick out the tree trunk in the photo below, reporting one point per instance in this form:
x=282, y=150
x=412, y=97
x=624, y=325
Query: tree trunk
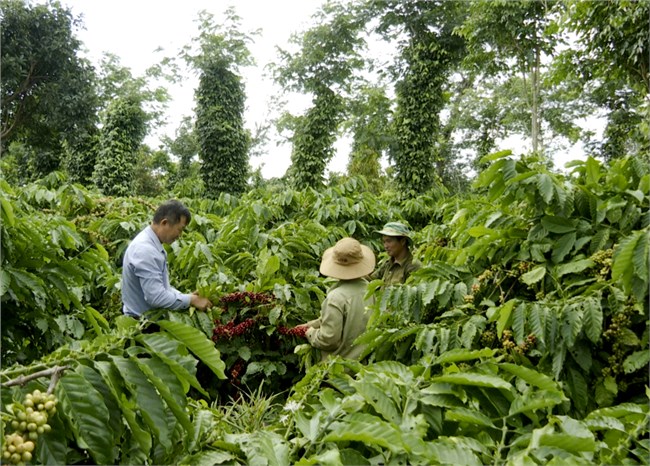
x=535, y=107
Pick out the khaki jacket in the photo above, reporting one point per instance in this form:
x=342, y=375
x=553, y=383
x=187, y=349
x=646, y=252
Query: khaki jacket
x=394, y=272
x=343, y=317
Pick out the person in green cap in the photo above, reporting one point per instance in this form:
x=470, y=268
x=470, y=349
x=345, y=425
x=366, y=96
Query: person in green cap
x=400, y=263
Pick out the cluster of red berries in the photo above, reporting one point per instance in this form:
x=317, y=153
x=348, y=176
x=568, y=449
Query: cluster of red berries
x=229, y=330
x=236, y=370
x=299, y=331
x=248, y=298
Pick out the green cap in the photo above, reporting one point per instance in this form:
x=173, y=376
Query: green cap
x=395, y=229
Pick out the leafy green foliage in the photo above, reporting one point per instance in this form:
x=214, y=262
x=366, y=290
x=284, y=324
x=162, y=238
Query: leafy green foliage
x=463, y=409
x=184, y=146
x=48, y=98
x=323, y=67
x=225, y=42
x=50, y=274
x=419, y=101
x=370, y=127
x=429, y=51
x=523, y=336
x=223, y=142
x=613, y=78
x=125, y=388
x=601, y=25
x=313, y=140
x=121, y=136
x=328, y=55
x=79, y=161
x=117, y=81
x=220, y=131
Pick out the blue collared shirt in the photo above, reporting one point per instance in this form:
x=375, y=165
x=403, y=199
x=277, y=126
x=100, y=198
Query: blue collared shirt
x=145, y=279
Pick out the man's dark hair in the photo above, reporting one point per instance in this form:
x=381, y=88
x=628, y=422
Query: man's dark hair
x=173, y=211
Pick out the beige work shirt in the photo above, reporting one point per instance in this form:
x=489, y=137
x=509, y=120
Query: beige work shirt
x=343, y=317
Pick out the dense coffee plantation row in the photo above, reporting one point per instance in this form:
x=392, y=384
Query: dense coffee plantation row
x=522, y=340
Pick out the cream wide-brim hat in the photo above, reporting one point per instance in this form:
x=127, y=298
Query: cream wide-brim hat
x=346, y=260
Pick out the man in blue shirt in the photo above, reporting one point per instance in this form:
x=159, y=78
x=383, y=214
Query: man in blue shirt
x=145, y=279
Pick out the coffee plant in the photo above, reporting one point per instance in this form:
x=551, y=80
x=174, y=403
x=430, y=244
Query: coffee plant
x=121, y=397
x=522, y=340
x=29, y=421
x=257, y=346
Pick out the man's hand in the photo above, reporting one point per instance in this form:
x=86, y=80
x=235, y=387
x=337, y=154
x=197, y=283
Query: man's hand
x=200, y=302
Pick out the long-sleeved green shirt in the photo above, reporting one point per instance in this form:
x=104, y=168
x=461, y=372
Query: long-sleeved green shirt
x=343, y=317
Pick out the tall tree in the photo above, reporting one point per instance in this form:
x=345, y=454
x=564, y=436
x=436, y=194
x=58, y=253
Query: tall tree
x=612, y=64
x=369, y=121
x=153, y=171
x=220, y=103
x=115, y=81
x=185, y=147
x=314, y=135
x=223, y=140
x=122, y=133
x=509, y=41
x=429, y=51
x=323, y=67
x=48, y=93
x=79, y=161
x=417, y=118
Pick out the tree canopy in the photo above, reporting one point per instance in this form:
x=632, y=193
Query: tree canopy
x=458, y=79
x=48, y=91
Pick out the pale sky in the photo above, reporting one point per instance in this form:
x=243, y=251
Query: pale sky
x=133, y=30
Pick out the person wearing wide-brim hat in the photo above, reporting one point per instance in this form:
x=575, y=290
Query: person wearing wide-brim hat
x=344, y=311
x=400, y=263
